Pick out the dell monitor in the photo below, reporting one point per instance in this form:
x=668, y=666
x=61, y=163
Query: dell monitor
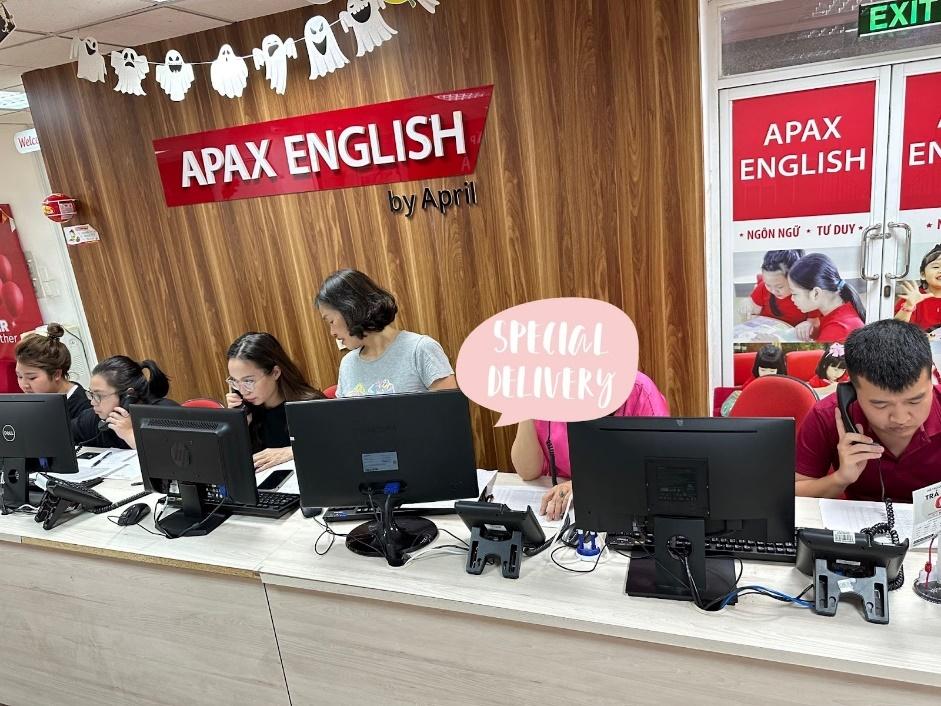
x=383, y=451
x=197, y=448
x=36, y=436
x=681, y=481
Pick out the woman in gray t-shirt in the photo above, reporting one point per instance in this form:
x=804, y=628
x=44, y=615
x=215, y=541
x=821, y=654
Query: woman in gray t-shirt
x=382, y=360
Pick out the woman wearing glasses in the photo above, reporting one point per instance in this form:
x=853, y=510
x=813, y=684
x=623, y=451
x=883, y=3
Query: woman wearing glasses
x=261, y=379
x=115, y=384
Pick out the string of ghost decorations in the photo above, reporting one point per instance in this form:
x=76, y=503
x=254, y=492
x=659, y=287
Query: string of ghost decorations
x=228, y=72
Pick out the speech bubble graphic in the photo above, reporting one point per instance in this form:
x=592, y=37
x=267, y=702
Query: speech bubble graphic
x=565, y=360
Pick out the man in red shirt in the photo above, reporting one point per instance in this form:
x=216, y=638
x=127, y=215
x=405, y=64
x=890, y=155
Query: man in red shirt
x=896, y=447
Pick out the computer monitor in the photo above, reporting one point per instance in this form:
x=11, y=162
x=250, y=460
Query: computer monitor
x=383, y=451
x=35, y=435
x=683, y=480
x=196, y=448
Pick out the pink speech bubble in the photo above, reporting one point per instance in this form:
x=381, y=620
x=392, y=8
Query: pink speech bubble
x=563, y=360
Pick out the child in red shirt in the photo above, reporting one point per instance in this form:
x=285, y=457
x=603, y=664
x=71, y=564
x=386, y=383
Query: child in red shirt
x=816, y=284
x=772, y=296
x=922, y=305
x=831, y=370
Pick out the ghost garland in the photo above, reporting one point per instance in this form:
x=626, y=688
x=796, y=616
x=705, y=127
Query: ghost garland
x=229, y=71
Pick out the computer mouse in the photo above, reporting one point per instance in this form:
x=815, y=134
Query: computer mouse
x=133, y=514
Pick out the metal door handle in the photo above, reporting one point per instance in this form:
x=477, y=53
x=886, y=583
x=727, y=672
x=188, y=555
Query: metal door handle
x=907, y=229
x=867, y=237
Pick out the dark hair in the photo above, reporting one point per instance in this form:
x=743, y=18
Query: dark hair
x=770, y=357
x=931, y=256
x=265, y=351
x=818, y=270
x=779, y=261
x=363, y=304
x=890, y=354
x=828, y=359
x=124, y=374
x=47, y=352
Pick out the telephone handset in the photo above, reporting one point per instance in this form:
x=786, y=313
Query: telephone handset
x=845, y=396
x=129, y=397
x=243, y=407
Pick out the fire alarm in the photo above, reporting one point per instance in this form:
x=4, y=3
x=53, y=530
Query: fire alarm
x=59, y=208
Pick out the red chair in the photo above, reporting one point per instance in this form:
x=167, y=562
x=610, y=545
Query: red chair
x=803, y=364
x=331, y=392
x=743, y=365
x=776, y=396
x=719, y=396
x=203, y=403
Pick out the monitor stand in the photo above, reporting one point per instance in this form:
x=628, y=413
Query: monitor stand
x=663, y=574
x=391, y=537
x=16, y=486
x=194, y=511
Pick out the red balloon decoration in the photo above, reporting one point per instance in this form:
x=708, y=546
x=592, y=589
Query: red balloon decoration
x=12, y=297
x=6, y=269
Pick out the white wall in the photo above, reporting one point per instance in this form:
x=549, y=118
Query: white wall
x=23, y=185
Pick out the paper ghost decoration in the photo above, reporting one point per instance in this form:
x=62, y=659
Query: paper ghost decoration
x=273, y=55
x=131, y=68
x=325, y=54
x=174, y=75
x=229, y=73
x=367, y=24
x=7, y=25
x=91, y=64
x=429, y=5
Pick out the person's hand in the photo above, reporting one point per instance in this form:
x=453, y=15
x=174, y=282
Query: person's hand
x=269, y=458
x=909, y=293
x=804, y=330
x=855, y=450
x=555, y=500
x=748, y=309
x=119, y=421
x=233, y=401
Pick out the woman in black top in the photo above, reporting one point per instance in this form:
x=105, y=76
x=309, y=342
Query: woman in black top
x=261, y=379
x=117, y=383
x=42, y=366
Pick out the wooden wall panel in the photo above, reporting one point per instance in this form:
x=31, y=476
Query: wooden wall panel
x=589, y=181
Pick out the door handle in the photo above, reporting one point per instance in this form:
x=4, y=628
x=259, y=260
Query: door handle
x=907, y=229
x=867, y=238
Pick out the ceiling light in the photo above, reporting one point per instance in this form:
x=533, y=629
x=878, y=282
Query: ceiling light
x=13, y=100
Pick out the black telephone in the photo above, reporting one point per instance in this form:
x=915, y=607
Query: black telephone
x=129, y=397
x=237, y=393
x=845, y=396
x=63, y=496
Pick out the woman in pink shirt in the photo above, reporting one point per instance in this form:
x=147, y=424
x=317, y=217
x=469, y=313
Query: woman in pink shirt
x=537, y=441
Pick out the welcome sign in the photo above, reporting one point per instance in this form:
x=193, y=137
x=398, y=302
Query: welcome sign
x=426, y=137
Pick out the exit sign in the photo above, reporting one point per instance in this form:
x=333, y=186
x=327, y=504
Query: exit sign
x=898, y=14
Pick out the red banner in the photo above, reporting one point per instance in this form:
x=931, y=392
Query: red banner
x=415, y=138
x=19, y=310
x=804, y=153
x=921, y=155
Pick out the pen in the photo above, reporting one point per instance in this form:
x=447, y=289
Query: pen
x=101, y=458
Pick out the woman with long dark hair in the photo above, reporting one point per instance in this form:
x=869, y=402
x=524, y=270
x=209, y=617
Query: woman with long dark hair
x=116, y=383
x=816, y=284
x=262, y=378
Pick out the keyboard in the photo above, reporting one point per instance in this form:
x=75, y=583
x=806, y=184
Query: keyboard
x=363, y=513
x=744, y=549
x=271, y=504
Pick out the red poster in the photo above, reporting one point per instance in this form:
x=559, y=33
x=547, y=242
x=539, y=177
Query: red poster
x=415, y=138
x=804, y=153
x=19, y=310
x=921, y=155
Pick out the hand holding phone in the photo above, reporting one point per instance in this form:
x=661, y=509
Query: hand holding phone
x=855, y=449
x=234, y=399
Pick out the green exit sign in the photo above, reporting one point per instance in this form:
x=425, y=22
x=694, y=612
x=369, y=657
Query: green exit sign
x=898, y=14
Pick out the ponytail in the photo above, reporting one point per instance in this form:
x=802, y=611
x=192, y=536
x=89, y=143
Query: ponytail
x=124, y=374
x=158, y=384
x=848, y=294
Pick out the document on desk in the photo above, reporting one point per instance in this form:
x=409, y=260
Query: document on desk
x=520, y=497
x=854, y=515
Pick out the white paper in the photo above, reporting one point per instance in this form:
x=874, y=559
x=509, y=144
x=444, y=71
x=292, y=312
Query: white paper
x=854, y=515
x=927, y=512
x=174, y=75
x=229, y=73
x=273, y=55
x=130, y=68
x=322, y=48
x=520, y=497
x=370, y=30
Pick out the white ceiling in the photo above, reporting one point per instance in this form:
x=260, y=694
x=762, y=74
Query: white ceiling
x=45, y=28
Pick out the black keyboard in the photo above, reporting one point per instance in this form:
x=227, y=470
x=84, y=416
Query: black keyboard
x=271, y=504
x=361, y=514
x=744, y=549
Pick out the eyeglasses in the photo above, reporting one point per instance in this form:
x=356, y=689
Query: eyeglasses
x=246, y=385
x=96, y=398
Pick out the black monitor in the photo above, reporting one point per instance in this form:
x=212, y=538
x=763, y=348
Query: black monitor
x=384, y=451
x=36, y=436
x=197, y=448
x=681, y=481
